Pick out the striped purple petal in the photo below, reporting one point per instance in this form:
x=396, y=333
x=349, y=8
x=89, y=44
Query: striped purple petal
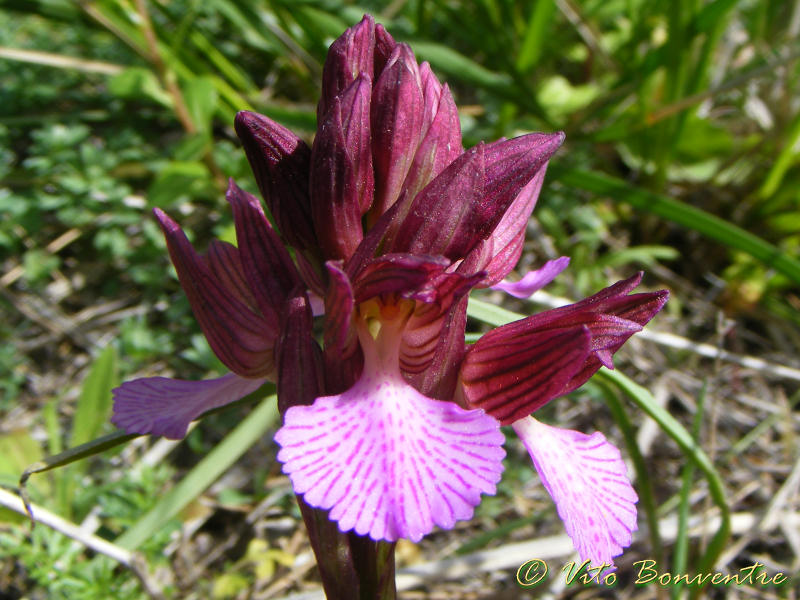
x=163, y=406
x=587, y=479
x=389, y=462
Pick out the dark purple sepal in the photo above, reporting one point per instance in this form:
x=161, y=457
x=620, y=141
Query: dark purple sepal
x=338, y=335
x=511, y=371
x=611, y=316
x=342, y=354
x=342, y=183
x=309, y=272
x=441, y=141
x=269, y=269
x=225, y=263
x=622, y=316
x=509, y=235
x=298, y=356
x=280, y=162
x=349, y=55
x=423, y=332
x=465, y=203
x=384, y=46
x=397, y=118
x=240, y=337
x=404, y=274
x=433, y=368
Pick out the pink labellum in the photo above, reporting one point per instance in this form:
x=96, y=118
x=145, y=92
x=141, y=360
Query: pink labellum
x=587, y=479
x=389, y=462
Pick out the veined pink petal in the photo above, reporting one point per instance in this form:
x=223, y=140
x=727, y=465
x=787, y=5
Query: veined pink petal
x=389, y=462
x=533, y=281
x=587, y=479
x=162, y=406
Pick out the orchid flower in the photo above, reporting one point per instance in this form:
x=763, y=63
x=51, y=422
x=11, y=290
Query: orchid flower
x=384, y=225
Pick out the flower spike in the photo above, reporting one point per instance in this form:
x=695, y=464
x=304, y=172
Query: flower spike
x=391, y=426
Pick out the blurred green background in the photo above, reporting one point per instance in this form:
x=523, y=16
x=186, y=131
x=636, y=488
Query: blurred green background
x=683, y=141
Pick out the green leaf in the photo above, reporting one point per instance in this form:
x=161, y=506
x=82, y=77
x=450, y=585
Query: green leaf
x=200, y=94
x=94, y=403
x=179, y=180
x=38, y=264
x=137, y=83
x=17, y=450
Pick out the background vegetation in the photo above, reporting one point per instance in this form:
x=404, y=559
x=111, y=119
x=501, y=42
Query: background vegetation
x=683, y=141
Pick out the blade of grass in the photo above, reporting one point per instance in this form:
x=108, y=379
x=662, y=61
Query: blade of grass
x=682, y=214
x=70, y=456
x=535, y=35
x=216, y=462
x=94, y=403
x=644, y=484
x=644, y=400
x=783, y=162
x=681, y=553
